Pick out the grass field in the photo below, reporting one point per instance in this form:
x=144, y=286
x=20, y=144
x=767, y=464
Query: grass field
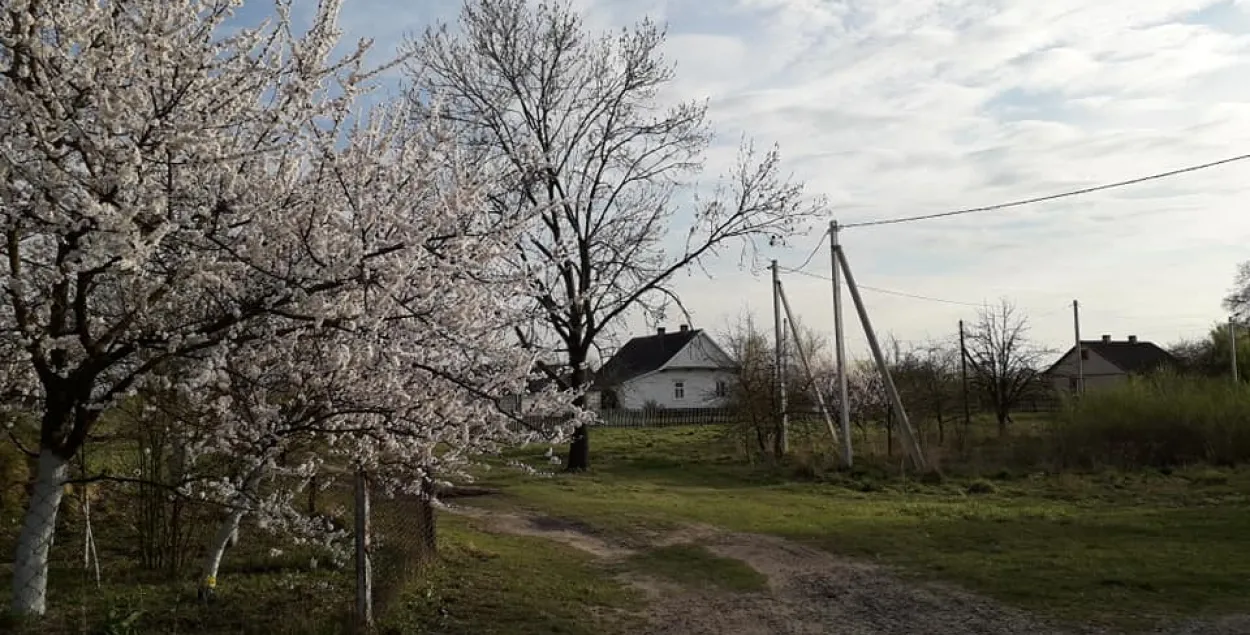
x=484, y=584
x=1117, y=548
x=1123, y=549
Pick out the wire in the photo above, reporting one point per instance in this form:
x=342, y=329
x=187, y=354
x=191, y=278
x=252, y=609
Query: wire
x=921, y=297
x=1049, y=197
x=815, y=250
x=888, y=291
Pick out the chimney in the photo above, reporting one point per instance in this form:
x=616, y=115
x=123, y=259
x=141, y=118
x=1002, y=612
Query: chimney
x=1106, y=338
x=1132, y=339
x=659, y=331
x=685, y=327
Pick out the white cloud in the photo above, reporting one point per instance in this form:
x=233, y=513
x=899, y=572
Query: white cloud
x=899, y=108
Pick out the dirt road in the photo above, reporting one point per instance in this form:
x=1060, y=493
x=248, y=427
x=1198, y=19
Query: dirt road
x=809, y=591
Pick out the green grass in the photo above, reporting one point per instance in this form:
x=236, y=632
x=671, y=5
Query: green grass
x=695, y=566
x=489, y=583
x=482, y=583
x=1126, y=549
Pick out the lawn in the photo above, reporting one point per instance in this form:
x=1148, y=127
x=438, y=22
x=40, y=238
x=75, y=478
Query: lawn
x=483, y=583
x=1118, y=548
x=489, y=583
x=1123, y=549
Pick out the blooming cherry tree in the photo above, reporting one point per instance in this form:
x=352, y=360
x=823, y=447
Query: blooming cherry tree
x=187, y=204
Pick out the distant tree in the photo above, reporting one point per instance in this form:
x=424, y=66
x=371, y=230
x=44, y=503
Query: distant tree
x=1211, y=357
x=1003, y=361
x=1194, y=356
x=1238, y=300
x=868, y=402
x=570, y=122
x=752, y=395
x=928, y=381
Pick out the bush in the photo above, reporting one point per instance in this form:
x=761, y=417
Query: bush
x=981, y=486
x=1158, y=421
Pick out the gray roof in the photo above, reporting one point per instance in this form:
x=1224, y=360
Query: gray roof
x=1130, y=357
x=643, y=355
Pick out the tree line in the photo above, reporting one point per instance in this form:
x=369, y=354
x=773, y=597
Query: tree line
x=996, y=371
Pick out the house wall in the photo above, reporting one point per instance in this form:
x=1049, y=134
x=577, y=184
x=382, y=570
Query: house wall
x=659, y=387
x=1098, y=372
x=700, y=352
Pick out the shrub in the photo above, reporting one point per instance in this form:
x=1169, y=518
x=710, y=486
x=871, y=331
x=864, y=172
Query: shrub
x=1157, y=421
x=981, y=486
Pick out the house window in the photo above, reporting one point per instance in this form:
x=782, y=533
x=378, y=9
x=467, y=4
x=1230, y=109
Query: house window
x=679, y=390
x=722, y=389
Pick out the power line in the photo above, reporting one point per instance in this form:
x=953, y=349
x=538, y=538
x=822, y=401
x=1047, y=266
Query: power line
x=1049, y=197
x=887, y=291
x=815, y=250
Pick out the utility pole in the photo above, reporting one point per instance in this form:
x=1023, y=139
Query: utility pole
x=963, y=378
x=1080, y=352
x=807, y=366
x=839, y=349
x=913, y=445
x=782, y=445
x=1232, y=345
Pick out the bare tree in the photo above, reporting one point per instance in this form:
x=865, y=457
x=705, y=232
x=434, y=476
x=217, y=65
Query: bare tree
x=868, y=400
x=1238, y=300
x=571, y=123
x=927, y=376
x=1003, y=359
x=753, y=395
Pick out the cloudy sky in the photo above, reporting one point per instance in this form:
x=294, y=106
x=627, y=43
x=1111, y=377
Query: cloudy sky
x=900, y=108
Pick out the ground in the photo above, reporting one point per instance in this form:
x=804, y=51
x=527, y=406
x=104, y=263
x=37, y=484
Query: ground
x=790, y=588
x=672, y=532
x=1011, y=551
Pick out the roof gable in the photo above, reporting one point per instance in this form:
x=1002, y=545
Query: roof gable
x=643, y=355
x=701, y=353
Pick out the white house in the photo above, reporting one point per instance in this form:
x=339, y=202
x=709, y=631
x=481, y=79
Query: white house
x=673, y=371
x=1105, y=362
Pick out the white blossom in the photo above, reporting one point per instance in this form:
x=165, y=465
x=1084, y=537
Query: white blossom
x=206, y=216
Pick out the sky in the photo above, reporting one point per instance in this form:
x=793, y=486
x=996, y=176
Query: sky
x=893, y=108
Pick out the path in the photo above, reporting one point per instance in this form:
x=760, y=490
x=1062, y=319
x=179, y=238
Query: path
x=809, y=591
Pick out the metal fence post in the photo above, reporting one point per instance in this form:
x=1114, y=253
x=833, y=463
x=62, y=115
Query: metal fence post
x=364, y=572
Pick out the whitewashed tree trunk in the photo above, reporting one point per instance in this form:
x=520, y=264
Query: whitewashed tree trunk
x=228, y=533
x=229, y=529
x=30, y=563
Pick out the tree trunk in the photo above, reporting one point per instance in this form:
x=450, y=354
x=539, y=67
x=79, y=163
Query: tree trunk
x=1002, y=416
x=30, y=564
x=579, y=448
x=227, y=535
x=427, y=520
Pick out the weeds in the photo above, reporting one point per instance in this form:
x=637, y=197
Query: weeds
x=1160, y=421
